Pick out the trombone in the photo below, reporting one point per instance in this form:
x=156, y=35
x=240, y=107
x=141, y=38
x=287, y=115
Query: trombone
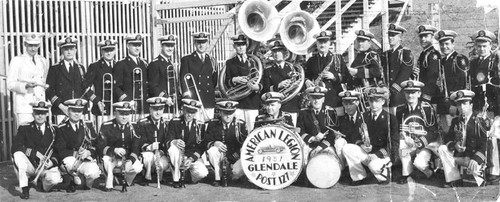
x=188, y=78
x=173, y=89
x=137, y=92
x=107, y=93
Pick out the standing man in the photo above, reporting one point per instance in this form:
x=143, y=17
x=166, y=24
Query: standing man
x=398, y=66
x=162, y=76
x=203, y=67
x=427, y=69
x=272, y=111
x=239, y=71
x=26, y=78
x=29, y=147
x=365, y=70
x=65, y=79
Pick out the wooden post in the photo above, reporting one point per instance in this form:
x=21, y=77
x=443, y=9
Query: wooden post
x=338, y=25
x=155, y=29
x=365, y=23
x=385, y=25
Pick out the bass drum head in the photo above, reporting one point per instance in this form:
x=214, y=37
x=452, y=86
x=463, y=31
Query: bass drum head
x=323, y=171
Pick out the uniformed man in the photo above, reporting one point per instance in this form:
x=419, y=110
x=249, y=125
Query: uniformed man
x=482, y=69
x=382, y=131
x=282, y=75
x=418, y=132
x=240, y=70
x=153, y=132
x=65, y=79
x=224, y=139
x=30, y=147
x=125, y=72
x=427, y=69
x=456, y=76
x=26, y=76
x=75, y=146
x=351, y=123
x=184, y=145
x=398, y=66
x=465, y=142
x=365, y=70
x=119, y=145
x=326, y=67
x=272, y=111
x=162, y=74
x=203, y=67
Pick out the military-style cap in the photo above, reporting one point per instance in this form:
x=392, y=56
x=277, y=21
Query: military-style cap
x=107, y=44
x=484, y=35
x=167, y=39
x=323, y=35
x=349, y=95
x=277, y=45
x=33, y=39
x=272, y=97
x=239, y=39
x=377, y=92
x=41, y=106
x=75, y=103
x=316, y=91
x=191, y=105
x=134, y=38
x=157, y=101
x=123, y=106
x=461, y=95
x=67, y=42
x=411, y=85
x=227, y=106
x=200, y=36
x=364, y=34
x=426, y=29
x=393, y=28
x=445, y=35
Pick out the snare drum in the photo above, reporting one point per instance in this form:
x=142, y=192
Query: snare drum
x=323, y=170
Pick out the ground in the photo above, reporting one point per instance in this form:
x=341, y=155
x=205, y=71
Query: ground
x=424, y=190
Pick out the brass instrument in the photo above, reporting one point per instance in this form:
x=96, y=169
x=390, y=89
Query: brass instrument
x=413, y=129
x=297, y=77
x=241, y=91
x=43, y=85
x=157, y=162
x=46, y=159
x=86, y=145
x=173, y=89
x=107, y=93
x=441, y=81
x=258, y=19
x=189, y=78
x=137, y=93
x=297, y=29
x=363, y=130
x=326, y=69
x=364, y=102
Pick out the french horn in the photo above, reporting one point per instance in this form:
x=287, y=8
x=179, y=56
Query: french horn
x=241, y=91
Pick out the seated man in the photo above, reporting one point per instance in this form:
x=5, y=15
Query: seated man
x=119, y=145
x=224, y=139
x=273, y=113
x=30, y=147
x=153, y=133
x=184, y=145
x=75, y=146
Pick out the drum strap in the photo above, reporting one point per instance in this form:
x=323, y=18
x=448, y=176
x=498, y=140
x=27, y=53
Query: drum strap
x=315, y=121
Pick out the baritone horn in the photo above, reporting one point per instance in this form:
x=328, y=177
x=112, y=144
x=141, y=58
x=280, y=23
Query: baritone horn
x=258, y=19
x=240, y=91
x=297, y=31
x=297, y=78
x=191, y=86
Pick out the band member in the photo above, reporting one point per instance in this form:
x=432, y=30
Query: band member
x=326, y=67
x=124, y=75
x=281, y=76
x=153, y=133
x=75, y=146
x=239, y=71
x=398, y=66
x=119, y=145
x=427, y=69
x=273, y=114
x=203, y=67
x=482, y=69
x=30, y=148
x=224, y=139
x=184, y=145
x=453, y=76
x=65, y=79
x=382, y=130
x=26, y=78
x=418, y=131
x=465, y=141
x=365, y=70
x=94, y=76
x=351, y=123
x=159, y=72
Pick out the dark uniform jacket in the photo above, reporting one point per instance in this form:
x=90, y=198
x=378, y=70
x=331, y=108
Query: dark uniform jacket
x=264, y=119
x=235, y=68
x=64, y=85
x=68, y=141
x=192, y=136
x=398, y=67
x=456, y=71
x=475, y=140
x=159, y=70
x=425, y=111
x=311, y=124
x=369, y=67
x=378, y=130
x=146, y=129
x=94, y=77
x=30, y=140
x=205, y=77
x=351, y=129
x=272, y=77
x=110, y=137
x=487, y=67
x=233, y=136
x=124, y=77
x=428, y=66
x=316, y=64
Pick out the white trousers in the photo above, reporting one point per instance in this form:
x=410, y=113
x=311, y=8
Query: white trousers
x=422, y=158
x=451, y=163
x=336, y=151
x=215, y=158
x=357, y=157
x=25, y=170
x=248, y=115
x=198, y=169
x=130, y=169
x=148, y=159
x=89, y=169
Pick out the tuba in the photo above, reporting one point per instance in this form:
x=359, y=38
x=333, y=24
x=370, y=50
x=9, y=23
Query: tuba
x=297, y=29
x=241, y=91
x=258, y=19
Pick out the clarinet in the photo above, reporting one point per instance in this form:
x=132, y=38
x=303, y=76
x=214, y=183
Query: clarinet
x=224, y=162
x=124, y=181
x=183, y=166
x=157, y=162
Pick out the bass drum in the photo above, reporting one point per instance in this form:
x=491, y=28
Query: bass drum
x=323, y=170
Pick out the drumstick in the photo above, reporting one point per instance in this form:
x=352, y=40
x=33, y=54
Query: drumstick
x=335, y=131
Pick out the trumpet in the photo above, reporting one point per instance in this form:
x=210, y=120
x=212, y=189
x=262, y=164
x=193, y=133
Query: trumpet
x=137, y=92
x=43, y=85
x=86, y=145
x=173, y=89
x=45, y=160
x=364, y=104
x=107, y=93
x=188, y=78
x=241, y=91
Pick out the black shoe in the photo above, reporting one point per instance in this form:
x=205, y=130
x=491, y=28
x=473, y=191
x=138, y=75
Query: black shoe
x=108, y=189
x=177, y=185
x=385, y=182
x=216, y=183
x=359, y=182
x=71, y=187
x=456, y=183
x=26, y=193
x=493, y=180
x=86, y=188
x=403, y=180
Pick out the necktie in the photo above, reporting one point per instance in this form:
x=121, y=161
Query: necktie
x=374, y=117
x=352, y=119
x=34, y=60
x=202, y=58
x=40, y=129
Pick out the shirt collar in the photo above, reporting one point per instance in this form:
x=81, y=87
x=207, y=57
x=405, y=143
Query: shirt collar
x=449, y=55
